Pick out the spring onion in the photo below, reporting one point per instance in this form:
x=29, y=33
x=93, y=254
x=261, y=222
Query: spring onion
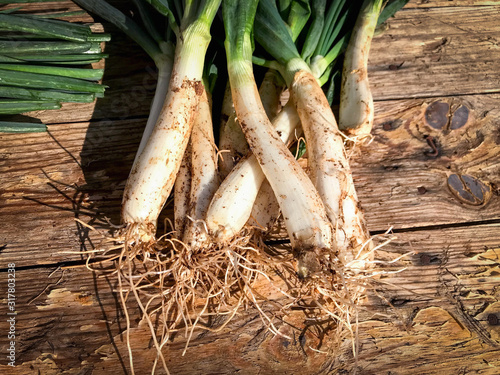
x=356, y=101
x=233, y=203
x=232, y=206
x=232, y=140
x=303, y=211
x=329, y=167
x=154, y=171
x=203, y=174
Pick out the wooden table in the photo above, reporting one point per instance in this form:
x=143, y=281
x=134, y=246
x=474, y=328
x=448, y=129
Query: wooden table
x=439, y=316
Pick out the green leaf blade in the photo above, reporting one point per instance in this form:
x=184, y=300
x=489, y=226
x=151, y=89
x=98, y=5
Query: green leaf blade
x=21, y=127
x=49, y=95
x=80, y=73
x=14, y=107
x=271, y=32
x=46, y=81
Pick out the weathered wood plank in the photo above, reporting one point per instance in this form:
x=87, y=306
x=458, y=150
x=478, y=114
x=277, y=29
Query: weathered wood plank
x=445, y=303
x=48, y=180
x=65, y=317
x=61, y=6
x=437, y=52
x=448, y=3
x=442, y=300
x=406, y=178
x=45, y=7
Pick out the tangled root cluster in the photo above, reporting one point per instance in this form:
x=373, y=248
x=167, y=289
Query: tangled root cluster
x=179, y=288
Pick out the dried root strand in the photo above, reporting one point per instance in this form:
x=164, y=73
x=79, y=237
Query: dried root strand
x=183, y=289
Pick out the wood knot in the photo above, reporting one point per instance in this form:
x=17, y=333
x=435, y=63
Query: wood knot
x=493, y=320
x=427, y=259
x=436, y=115
x=439, y=115
x=469, y=189
x=422, y=190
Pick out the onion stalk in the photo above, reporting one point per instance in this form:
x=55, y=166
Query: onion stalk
x=234, y=200
x=182, y=194
x=329, y=167
x=356, y=100
x=239, y=199
x=204, y=175
x=232, y=141
x=154, y=171
x=303, y=212
x=157, y=163
x=180, y=106
x=327, y=158
x=161, y=52
x=232, y=205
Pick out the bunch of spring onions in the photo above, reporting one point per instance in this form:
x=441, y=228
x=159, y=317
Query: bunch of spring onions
x=225, y=194
x=178, y=137
x=43, y=63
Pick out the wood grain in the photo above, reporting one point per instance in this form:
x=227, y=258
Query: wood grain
x=407, y=180
x=435, y=317
x=436, y=52
x=447, y=3
x=66, y=320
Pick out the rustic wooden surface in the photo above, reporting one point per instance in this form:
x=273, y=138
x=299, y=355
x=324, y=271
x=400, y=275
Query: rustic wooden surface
x=439, y=316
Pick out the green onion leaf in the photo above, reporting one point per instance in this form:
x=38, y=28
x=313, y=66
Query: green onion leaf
x=238, y=21
x=6, y=59
x=50, y=95
x=8, y=11
x=314, y=32
x=87, y=74
x=60, y=14
x=124, y=23
x=21, y=127
x=330, y=26
x=58, y=59
x=300, y=12
x=148, y=20
x=330, y=90
x=163, y=7
x=45, y=28
x=337, y=49
x=271, y=32
x=390, y=9
x=14, y=48
x=284, y=7
x=46, y=81
x=14, y=107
